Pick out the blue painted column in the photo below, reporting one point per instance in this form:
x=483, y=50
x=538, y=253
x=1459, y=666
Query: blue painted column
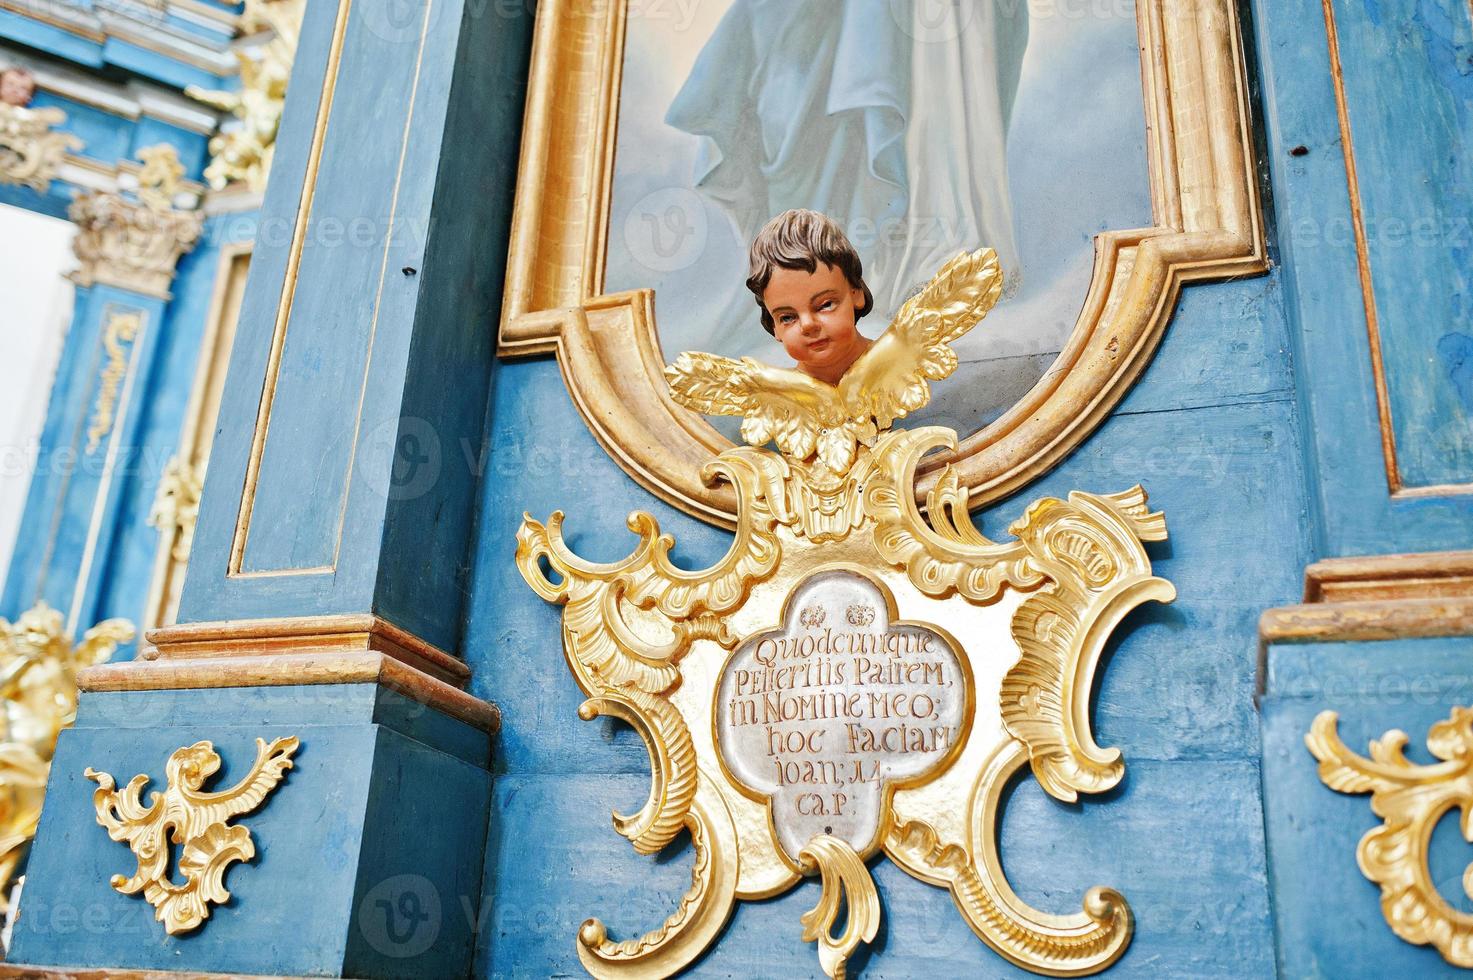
x=325, y=591
x=343, y=476
x=89, y=445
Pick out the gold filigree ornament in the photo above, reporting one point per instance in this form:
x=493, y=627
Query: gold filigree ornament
x=193, y=820
x=854, y=677
x=1410, y=799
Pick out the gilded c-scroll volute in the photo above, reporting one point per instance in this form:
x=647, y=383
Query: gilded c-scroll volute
x=854, y=677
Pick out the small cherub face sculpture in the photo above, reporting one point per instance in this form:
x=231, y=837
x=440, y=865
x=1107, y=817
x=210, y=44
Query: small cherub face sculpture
x=17, y=87
x=813, y=317
x=809, y=284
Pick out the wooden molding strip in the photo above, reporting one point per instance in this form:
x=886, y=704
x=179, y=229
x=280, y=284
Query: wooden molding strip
x=1378, y=597
x=287, y=669
x=1371, y=619
x=304, y=635
x=350, y=649
x=1442, y=574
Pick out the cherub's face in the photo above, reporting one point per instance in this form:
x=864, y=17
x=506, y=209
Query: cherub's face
x=17, y=88
x=813, y=316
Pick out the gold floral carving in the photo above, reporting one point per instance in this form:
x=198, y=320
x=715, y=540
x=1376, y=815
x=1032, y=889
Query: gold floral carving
x=1410, y=799
x=195, y=821
x=31, y=150
x=244, y=154
x=1206, y=224
x=129, y=245
x=38, y=685
x=176, y=506
x=118, y=335
x=649, y=642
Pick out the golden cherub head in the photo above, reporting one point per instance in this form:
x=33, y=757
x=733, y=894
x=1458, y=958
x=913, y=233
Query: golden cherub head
x=847, y=389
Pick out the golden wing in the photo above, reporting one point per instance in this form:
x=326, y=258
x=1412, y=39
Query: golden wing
x=890, y=380
x=786, y=407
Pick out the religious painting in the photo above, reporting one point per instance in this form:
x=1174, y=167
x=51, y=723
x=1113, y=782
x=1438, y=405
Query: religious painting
x=923, y=129
x=1101, y=151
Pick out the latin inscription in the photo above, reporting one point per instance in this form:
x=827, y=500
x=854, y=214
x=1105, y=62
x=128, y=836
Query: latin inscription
x=825, y=712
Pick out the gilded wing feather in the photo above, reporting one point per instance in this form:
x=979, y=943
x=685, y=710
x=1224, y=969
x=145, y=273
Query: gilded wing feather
x=890, y=380
x=776, y=405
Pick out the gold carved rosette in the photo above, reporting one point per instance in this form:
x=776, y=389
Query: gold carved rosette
x=1016, y=628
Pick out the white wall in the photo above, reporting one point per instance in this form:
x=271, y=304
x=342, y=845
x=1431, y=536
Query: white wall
x=35, y=311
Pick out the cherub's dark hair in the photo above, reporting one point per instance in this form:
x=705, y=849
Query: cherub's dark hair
x=800, y=239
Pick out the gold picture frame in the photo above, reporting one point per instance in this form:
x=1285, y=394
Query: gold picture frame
x=1207, y=224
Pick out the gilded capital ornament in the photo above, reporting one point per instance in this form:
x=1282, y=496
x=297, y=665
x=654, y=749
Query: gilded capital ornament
x=193, y=820
x=130, y=245
x=854, y=677
x=1410, y=799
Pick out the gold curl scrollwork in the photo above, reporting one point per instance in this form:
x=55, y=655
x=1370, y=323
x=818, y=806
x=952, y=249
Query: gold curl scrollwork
x=647, y=642
x=1410, y=799
x=195, y=820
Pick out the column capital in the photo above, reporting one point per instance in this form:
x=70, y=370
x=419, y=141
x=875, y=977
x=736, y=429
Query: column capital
x=128, y=245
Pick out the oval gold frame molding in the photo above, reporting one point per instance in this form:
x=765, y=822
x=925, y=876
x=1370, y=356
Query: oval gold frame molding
x=1204, y=201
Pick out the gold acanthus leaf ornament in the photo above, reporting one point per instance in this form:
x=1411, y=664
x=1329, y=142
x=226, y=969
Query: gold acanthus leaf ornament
x=1410, y=799
x=192, y=819
x=806, y=417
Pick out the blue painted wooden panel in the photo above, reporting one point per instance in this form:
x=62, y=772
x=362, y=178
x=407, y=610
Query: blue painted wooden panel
x=53, y=40
x=1408, y=70
x=1328, y=920
x=128, y=570
x=381, y=394
x=105, y=137
x=337, y=837
x=72, y=506
x=1410, y=131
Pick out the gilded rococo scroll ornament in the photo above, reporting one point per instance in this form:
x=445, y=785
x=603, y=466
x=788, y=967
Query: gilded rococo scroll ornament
x=1410, y=799
x=194, y=820
x=38, y=694
x=854, y=677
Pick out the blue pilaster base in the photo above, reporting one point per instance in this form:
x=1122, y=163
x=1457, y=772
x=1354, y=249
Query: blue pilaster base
x=368, y=855
x=1327, y=915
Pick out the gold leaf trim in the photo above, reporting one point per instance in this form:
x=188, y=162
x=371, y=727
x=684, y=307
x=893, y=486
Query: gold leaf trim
x=1060, y=945
x=672, y=765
